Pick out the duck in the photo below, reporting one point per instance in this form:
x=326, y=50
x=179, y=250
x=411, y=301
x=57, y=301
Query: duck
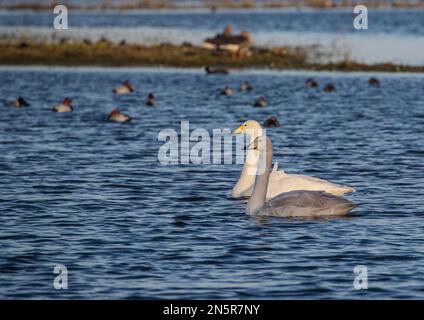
x=151, y=100
x=260, y=102
x=271, y=122
x=296, y=203
x=330, y=88
x=246, y=86
x=18, y=103
x=279, y=180
x=216, y=70
x=374, y=81
x=312, y=83
x=65, y=106
x=126, y=87
x=117, y=116
x=238, y=45
x=227, y=91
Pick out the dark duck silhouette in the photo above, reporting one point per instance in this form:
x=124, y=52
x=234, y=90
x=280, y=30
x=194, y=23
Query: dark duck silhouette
x=330, y=88
x=210, y=70
x=151, y=100
x=18, y=103
x=271, y=122
x=246, y=86
x=260, y=102
x=374, y=81
x=227, y=91
x=312, y=83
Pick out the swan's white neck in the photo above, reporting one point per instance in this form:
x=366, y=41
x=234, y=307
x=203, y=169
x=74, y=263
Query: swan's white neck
x=250, y=166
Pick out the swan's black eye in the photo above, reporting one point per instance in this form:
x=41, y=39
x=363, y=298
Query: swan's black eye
x=245, y=125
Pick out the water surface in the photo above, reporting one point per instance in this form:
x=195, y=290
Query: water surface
x=91, y=195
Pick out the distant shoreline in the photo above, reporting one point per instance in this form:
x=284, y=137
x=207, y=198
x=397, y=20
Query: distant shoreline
x=216, y=6
x=106, y=54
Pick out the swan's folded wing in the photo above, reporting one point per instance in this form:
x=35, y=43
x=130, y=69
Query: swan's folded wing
x=283, y=182
x=302, y=179
x=301, y=198
x=309, y=203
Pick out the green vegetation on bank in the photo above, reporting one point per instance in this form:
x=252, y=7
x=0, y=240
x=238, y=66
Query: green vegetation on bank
x=107, y=54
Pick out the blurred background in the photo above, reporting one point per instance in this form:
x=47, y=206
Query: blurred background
x=395, y=28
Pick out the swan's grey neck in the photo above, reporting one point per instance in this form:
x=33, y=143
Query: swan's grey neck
x=257, y=200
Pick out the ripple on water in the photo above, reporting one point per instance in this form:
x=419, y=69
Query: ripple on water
x=91, y=195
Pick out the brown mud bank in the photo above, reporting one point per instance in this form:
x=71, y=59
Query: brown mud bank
x=104, y=53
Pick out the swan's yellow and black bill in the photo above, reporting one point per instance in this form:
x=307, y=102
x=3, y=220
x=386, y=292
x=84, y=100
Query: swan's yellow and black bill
x=240, y=129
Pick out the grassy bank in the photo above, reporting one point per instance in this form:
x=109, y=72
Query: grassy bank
x=104, y=53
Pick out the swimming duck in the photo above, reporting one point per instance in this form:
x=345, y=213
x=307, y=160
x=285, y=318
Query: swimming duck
x=216, y=70
x=330, y=88
x=260, y=102
x=296, y=203
x=312, y=83
x=246, y=86
x=271, y=122
x=65, y=106
x=18, y=103
x=227, y=91
x=117, y=116
x=126, y=87
x=279, y=181
x=374, y=82
x=151, y=100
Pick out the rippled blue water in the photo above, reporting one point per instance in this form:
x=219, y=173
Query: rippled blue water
x=401, y=21
x=78, y=191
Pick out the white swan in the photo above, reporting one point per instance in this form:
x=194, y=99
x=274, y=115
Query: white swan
x=279, y=181
x=299, y=203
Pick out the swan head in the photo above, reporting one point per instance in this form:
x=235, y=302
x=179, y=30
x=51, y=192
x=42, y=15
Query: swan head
x=251, y=128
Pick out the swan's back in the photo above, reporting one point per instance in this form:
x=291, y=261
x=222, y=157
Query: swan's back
x=301, y=203
x=284, y=182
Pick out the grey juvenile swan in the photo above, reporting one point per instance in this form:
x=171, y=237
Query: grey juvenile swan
x=299, y=203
